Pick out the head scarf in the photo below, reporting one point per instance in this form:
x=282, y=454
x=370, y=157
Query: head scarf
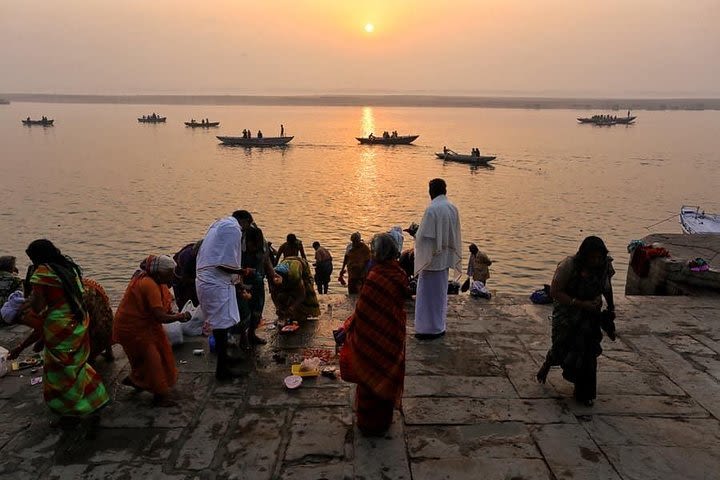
x=355, y=237
x=153, y=265
x=283, y=269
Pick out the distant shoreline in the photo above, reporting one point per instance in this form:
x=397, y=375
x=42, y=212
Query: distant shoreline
x=436, y=101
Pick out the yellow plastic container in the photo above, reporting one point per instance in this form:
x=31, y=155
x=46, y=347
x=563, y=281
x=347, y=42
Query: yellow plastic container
x=310, y=373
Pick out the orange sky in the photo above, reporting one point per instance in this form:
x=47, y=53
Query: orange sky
x=556, y=47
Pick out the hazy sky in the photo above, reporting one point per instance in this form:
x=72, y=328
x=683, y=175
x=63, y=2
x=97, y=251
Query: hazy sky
x=551, y=47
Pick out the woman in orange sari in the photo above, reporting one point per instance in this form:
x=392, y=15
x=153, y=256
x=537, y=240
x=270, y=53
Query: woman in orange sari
x=374, y=352
x=146, y=305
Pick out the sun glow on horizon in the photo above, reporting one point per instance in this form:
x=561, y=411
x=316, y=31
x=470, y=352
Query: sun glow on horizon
x=369, y=27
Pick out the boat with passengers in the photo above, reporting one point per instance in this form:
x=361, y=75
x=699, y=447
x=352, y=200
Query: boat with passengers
x=387, y=139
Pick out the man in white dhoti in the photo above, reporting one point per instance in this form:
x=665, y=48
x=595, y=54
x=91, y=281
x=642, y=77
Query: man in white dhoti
x=438, y=247
x=218, y=270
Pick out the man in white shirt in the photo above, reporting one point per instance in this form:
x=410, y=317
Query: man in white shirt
x=218, y=271
x=438, y=247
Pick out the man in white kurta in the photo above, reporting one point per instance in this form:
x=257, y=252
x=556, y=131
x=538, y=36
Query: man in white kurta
x=438, y=248
x=218, y=266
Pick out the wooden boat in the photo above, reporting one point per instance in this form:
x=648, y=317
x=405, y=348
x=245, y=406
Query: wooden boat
x=399, y=140
x=201, y=124
x=693, y=220
x=625, y=120
x=255, y=141
x=152, y=119
x=605, y=121
x=452, y=156
x=44, y=123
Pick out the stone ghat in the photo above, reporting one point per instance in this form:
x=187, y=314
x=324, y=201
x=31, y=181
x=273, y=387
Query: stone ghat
x=672, y=275
x=471, y=409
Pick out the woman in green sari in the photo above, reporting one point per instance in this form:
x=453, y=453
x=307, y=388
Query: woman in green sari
x=71, y=387
x=577, y=289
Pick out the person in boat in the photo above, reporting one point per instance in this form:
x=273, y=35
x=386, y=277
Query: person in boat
x=438, y=247
x=294, y=296
x=249, y=134
x=373, y=353
x=218, y=277
x=144, y=308
x=371, y=136
x=445, y=150
x=259, y=135
x=292, y=247
x=578, y=287
x=357, y=256
x=394, y=134
x=244, y=133
x=323, y=267
x=386, y=134
x=282, y=130
x=71, y=387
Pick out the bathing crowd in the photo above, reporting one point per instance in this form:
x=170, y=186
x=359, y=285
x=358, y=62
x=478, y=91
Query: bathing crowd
x=224, y=274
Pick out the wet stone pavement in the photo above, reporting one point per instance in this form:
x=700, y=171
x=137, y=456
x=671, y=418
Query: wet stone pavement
x=471, y=409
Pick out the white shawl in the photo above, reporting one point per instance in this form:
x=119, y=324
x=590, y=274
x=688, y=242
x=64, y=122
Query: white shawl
x=222, y=245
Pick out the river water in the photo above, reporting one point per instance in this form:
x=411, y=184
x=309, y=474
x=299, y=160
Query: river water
x=108, y=190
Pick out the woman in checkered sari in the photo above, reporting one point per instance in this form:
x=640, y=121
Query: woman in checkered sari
x=374, y=350
x=71, y=387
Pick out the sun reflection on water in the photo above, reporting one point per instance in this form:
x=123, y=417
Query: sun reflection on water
x=367, y=121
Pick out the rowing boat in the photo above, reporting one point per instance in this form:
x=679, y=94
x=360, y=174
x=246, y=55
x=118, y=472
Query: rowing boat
x=462, y=158
x=201, y=124
x=255, y=141
x=44, y=123
x=152, y=120
x=398, y=140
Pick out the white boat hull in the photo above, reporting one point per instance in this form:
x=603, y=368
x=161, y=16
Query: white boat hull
x=694, y=221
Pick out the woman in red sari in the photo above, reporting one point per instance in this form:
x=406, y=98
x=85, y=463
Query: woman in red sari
x=374, y=352
x=146, y=305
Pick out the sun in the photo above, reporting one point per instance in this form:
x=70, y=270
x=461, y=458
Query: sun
x=369, y=28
